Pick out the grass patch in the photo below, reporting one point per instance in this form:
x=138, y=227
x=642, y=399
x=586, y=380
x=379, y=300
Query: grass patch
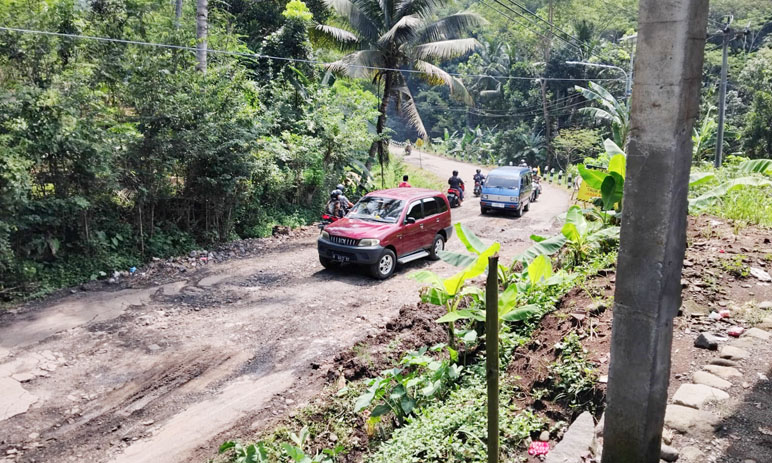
x=750, y=205
x=419, y=178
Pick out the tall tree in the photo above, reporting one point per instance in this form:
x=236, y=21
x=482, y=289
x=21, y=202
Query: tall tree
x=202, y=15
x=387, y=38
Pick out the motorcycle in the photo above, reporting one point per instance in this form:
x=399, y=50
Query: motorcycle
x=536, y=190
x=454, y=196
x=326, y=220
x=477, y=188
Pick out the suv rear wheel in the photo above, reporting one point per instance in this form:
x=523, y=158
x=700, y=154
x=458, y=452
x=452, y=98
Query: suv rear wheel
x=384, y=267
x=437, y=245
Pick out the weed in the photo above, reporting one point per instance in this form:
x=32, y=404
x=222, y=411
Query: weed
x=572, y=376
x=735, y=266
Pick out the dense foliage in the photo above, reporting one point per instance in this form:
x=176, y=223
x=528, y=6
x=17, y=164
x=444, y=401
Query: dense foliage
x=115, y=153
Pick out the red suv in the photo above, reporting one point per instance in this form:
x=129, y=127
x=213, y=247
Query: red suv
x=386, y=227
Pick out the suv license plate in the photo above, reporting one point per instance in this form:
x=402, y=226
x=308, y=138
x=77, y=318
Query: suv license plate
x=339, y=257
x=497, y=204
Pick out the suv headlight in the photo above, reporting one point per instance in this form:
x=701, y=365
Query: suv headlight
x=367, y=242
x=485, y=196
x=325, y=235
x=513, y=199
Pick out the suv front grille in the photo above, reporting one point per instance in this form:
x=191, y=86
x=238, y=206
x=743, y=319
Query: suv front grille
x=344, y=241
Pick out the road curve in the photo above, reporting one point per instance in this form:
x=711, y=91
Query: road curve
x=166, y=372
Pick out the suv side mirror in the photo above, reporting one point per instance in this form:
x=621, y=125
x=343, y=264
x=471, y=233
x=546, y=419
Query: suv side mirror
x=409, y=220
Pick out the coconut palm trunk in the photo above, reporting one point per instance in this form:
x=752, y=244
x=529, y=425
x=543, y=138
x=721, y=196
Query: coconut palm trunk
x=202, y=16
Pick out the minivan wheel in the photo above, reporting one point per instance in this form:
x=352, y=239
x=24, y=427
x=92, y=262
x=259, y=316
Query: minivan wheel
x=519, y=210
x=527, y=206
x=483, y=210
x=437, y=245
x=384, y=267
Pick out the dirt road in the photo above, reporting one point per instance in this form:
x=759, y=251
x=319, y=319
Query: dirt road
x=166, y=372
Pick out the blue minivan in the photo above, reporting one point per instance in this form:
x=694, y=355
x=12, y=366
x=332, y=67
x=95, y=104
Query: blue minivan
x=507, y=189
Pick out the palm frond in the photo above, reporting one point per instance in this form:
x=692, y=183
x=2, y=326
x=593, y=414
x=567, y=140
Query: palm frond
x=359, y=64
x=363, y=24
x=436, y=76
x=326, y=35
x=409, y=111
x=450, y=27
x=421, y=8
x=445, y=49
x=403, y=31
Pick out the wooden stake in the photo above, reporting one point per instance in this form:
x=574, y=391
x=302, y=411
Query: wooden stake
x=492, y=356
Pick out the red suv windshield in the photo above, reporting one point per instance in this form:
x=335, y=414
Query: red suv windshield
x=378, y=209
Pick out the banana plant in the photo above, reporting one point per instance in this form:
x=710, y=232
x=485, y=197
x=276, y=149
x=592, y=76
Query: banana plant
x=610, y=183
x=449, y=292
x=583, y=236
x=754, y=166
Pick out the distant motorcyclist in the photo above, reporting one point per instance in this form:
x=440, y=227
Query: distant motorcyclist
x=456, y=183
x=478, y=177
x=408, y=149
x=523, y=163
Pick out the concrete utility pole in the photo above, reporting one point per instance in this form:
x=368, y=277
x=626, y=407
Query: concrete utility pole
x=727, y=30
x=668, y=71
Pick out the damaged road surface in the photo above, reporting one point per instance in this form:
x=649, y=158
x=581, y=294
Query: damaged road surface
x=164, y=371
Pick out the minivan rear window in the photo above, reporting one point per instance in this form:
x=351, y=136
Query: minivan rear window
x=501, y=182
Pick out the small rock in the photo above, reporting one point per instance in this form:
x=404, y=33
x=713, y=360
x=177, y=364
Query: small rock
x=289, y=401
x=154, y=347
x=668, y=453
x=722, y=372
x=333, y=437
x=760, y=274
x=576, y=441
x=692, y=454
x=759, y=334
x=148, y=422
x=686, y=419
x=33, y=435
x=709, y=379
x=724, y=362
x=697, y=395
x=706, y=341
x=688, y=263
x=733, y=353
x=765, y=305
x=23, y=377
x=544, y=436
x=746, y=385
x=667, y=436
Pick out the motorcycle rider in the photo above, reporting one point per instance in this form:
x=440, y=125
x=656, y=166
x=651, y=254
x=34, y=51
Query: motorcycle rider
x=344, y=202
x=333, y=206
x=455, y=182
x=478, y=177
x=523, y=163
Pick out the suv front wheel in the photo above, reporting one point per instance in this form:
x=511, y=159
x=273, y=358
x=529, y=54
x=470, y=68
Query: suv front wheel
x=384, y=267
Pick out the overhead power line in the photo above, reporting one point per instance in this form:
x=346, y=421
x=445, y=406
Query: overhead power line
x=278, y=58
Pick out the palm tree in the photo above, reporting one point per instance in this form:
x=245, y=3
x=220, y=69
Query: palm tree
x=614, y=111
x=388, y=38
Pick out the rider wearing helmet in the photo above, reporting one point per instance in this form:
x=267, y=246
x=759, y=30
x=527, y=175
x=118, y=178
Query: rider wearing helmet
x=344, y=202
x=478, y=177
x=455, y=182
x=333, y=207
x=523, y=163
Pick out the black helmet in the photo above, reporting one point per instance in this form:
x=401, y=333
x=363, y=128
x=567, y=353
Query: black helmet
x=334, y=194
x=340, y=187
x=478, y=171
x=455, y=172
